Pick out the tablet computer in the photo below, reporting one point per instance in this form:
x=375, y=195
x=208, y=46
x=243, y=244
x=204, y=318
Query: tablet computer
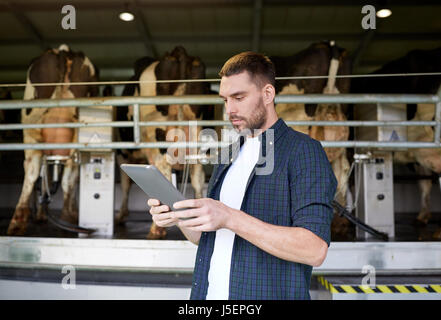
x=154, y=183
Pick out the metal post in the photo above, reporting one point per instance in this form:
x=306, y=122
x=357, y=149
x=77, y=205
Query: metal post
x=438, y=118
x=438, y=123
x=136, y=133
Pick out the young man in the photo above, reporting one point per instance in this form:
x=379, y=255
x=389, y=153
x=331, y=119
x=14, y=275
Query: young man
x=258, y=235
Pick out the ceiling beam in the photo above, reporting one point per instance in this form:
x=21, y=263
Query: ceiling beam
x=144, y=30
x=166, y=4
x=294, y=37
x=257, y=25
x=362, y=47
x=27, y=24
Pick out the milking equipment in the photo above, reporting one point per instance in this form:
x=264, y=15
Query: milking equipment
x=51, y=169
x=374, y=169
x=97, y=166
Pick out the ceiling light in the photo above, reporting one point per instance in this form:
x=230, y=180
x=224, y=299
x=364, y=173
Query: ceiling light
x=384, y=13
x=126, y=16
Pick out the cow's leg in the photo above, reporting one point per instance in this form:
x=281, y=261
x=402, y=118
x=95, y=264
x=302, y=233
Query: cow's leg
x=424, y=215
x=19, y=221
x=437, y=234
x=425, y=187
x=69, y=183
x=42, y=211
x=197, y=179
x=341, y=228
x=125, y=190
x=162, y=164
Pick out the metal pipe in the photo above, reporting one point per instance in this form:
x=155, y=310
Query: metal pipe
x=357, y=98
x=363, y=123
x=136, y=131
x=180, y=145
x=109, y=145
x=65, y=125
x=214, y=99
x=214, y=123
x=208, y=123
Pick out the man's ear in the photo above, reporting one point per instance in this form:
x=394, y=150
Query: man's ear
x=269, y=92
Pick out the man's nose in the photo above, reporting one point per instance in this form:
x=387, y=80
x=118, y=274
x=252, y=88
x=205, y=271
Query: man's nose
x=230, y=108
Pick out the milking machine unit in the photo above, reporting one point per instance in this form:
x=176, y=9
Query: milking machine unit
x=50, y=177
x=374, y=169
x=97, y=166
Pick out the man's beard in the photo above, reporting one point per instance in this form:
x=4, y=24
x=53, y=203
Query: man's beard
x=256, y=120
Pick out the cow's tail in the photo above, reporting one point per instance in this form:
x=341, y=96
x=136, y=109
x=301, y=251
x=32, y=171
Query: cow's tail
x=333, y=69
x=29, y=94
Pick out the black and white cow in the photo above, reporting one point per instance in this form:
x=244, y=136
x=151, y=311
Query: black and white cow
x=177, y=65
x=327, y=60
x=426, y=160
x=54, y=66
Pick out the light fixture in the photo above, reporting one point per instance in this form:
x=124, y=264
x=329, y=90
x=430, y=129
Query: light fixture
x=384, y=13
x=126, y=15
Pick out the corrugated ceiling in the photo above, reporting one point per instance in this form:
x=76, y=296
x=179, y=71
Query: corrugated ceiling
x=211, y=29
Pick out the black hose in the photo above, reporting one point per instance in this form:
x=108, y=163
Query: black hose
x=68, y=226
x=343, y=212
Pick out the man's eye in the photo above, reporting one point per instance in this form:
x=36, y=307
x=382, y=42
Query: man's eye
x=239, y=98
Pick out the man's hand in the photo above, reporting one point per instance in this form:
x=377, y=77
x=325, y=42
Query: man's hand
x=206, y=214
x=161, y=214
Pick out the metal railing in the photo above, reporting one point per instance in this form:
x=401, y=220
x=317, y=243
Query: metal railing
x=213, y=100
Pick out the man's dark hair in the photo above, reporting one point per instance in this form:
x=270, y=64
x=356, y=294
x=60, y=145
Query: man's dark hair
x=259, y=67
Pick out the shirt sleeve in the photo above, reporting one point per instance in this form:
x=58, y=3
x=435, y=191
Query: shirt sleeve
x=312, y=187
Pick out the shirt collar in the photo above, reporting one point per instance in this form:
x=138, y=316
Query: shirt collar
x=278, y=129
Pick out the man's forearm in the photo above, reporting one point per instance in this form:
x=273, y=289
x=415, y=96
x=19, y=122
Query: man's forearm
x=288, y=243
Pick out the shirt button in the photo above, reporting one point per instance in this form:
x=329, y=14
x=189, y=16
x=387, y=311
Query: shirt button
x=195, y=284
x=271, y=142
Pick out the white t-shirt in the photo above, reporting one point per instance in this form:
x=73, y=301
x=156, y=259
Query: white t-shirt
x=231, y=194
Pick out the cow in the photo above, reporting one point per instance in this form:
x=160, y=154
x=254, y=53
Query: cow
x=177, y=65
x=424, y=161
x=60, y=65
x=328, y=60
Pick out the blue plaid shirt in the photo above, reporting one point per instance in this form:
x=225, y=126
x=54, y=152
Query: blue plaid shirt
x=297, y=193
